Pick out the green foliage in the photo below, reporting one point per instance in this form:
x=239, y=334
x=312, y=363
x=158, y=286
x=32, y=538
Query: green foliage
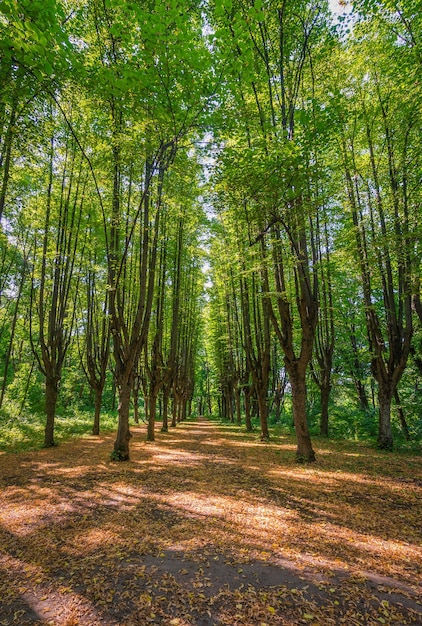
x=24, y=430
x=107, y=92
x=118, y=456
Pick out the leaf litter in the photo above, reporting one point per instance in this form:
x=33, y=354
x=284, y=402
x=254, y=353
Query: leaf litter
x=208, y=526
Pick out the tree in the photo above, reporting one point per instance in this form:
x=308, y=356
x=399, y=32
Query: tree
x=54, y=278
x=273, y=84
x=375, y=148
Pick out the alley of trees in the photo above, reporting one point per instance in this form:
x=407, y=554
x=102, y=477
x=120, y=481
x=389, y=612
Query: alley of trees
x=212, y=208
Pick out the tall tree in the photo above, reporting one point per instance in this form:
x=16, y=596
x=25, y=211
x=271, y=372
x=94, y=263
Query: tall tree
x=54, y=273
x=378, y=171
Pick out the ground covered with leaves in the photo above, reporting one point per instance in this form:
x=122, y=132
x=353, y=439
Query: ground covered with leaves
x=208, y=526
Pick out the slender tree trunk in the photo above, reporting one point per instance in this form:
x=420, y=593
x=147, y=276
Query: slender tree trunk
x=325, y=391
x=12, y=336
x=277, y=403
x=135, y=396
x=97, y=410
x=238, y=407
x=151, y=415
x=229, y=403
x=114, y=395
x=209, y=396
x=174, y=412
x=28, y=381
x=135, y=411
x=402, y=418
x=7, y=158
x=263, y=413
x=248, y=421
x=362, y=396
x=165, y=426
x=51, y=395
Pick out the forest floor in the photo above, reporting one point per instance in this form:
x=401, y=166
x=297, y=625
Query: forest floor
x=208, y=526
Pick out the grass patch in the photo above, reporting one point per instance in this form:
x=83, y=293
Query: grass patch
x=20, y=433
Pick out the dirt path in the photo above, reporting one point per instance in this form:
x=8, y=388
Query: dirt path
x=205, y=527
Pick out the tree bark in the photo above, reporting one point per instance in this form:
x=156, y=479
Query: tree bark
x=385, y=436
x=325, y=391
x=165, y=426
x=151, y=416
x=238, y=407
x=402, y=418
x=304, y=451
x=263, y=414
x=97, y=410
x=121, y=444
x=51, y=395
x=248, y=422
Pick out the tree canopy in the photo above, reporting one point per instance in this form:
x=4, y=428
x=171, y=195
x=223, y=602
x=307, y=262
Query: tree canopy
x=212, y=208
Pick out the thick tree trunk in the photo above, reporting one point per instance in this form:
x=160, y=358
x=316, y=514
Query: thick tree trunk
x=385, y=436
x=97, y=410
x=325, y=391
x=304, y=452
x=51, y=395
x=121, y=444
x=184, y=411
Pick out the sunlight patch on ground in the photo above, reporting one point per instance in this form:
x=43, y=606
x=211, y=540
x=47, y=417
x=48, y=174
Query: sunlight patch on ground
x=91, y=540
x=22, y=521
x=176, y=456
x=72, y=472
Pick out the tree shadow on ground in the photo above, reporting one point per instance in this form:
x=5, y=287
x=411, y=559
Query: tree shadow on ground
x=202, y=534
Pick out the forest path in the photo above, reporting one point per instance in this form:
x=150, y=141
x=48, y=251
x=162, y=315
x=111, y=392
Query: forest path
x=209, y=526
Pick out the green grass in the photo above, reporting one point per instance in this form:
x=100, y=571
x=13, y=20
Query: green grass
x=19, y=433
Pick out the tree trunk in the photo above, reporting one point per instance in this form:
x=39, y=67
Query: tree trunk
x=402, y=418
x=165, y=426
x=121, y=445
x=238, y=407
x=151, y=416
x=174, y=412
x=28, y=381
x=304, y=452
x=184, y=411
x=135, y=396
x=248, y=421
x=12, y=334
x=51, y=395
x=385, y=436
x=325, y=391
x=263, y=413
x=277, y=403
x=362, y=396
x=97, y=411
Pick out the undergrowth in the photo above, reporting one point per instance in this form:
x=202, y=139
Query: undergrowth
x=25, y=431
